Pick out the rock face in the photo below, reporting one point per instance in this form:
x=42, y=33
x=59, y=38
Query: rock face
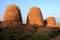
x=35, y=17
x=12, y=16
x=50, y=21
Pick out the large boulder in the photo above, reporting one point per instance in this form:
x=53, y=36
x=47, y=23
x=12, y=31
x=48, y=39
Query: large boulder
x=12, y=16
x=50, y=22
x=35, y=17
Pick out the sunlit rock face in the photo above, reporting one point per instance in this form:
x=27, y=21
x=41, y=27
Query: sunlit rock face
x=12, y=16
x=50, y=21
x=35, y=17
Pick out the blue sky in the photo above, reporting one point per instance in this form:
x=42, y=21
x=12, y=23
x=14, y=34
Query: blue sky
x=48, y=7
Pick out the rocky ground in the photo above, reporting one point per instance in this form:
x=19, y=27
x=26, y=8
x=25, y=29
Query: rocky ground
x=57, y=37
x=38, y=30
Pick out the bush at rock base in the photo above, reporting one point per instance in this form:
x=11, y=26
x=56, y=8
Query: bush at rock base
x=19, y=34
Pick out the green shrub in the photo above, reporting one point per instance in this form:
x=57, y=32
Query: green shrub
x=52, y=34
x=15, y=34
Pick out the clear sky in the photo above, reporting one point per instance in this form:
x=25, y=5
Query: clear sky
x=48, y=7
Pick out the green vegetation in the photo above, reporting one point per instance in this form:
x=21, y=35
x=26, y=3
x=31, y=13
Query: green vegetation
x=19, y=34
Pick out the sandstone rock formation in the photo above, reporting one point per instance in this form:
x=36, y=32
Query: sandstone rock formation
x=50, y=21
x=12, y=16
x=35, y=17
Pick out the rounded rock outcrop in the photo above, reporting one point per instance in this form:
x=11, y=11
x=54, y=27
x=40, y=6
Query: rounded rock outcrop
x=35, y=17
x=12, y=16
x=50, y=21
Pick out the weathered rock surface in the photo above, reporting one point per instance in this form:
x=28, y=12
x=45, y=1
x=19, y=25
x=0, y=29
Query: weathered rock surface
x=50, y=21
x=12, y=16
x=56, y=38
x=35, y=17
